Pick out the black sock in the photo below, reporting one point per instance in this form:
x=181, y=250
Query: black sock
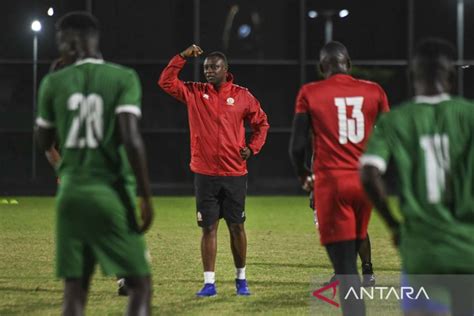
x=343, y=256
x=365, y=255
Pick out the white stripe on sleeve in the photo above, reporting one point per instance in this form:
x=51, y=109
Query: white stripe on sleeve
x=41, y=122
x=375, y=161
x=128, y=108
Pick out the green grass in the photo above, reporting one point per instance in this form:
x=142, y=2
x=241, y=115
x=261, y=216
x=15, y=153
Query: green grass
x=284, y=259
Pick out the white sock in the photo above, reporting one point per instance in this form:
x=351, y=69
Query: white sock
x=240, y=273
x=209, y=277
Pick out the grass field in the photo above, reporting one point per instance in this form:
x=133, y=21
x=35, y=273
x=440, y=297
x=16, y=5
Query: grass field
x=284, y=259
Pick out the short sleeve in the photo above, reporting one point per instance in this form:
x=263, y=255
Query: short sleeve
x=45, y=114
x=301, y=105
x=377, y=153
x=383, y=105
x=130, y=97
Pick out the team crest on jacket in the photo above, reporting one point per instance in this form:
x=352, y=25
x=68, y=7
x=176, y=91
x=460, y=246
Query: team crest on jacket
x=230, y=101
x=205, y=96
x=199, y=216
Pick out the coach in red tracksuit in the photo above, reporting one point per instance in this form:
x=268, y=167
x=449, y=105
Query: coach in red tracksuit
x=217, y=111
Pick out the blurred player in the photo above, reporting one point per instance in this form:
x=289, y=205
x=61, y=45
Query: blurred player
x=341, y=111
x=217, y=111
x=92, y=109
x=54, y=159
x=430, y=141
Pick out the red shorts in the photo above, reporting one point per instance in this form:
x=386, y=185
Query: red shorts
x=342, y=206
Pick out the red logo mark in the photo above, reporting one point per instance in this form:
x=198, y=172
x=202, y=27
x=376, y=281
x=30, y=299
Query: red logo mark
x=333, y=286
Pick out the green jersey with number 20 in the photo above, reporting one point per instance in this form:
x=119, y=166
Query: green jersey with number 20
x=81, y=102
x=431, y=142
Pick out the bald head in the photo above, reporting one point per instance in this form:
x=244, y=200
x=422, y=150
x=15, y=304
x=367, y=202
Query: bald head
x=334, y=59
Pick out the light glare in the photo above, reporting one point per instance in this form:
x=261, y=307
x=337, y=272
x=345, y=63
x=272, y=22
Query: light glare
x=312, y=14
x=343, y=13
x=36, y=26
x=51, y=11
x=244, y=30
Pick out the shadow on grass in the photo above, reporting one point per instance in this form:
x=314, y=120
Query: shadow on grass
x=266, y=302
x=256, y=282
x=32, y=309
x=291, y=265
x=32, y=290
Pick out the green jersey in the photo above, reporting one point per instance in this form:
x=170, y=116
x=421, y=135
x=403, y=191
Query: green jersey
x=81, y=102
x=431, y=142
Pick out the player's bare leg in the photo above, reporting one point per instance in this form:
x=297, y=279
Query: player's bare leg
x=209, y=246
x=208, y=255
x=238, y=245
x=139, y=296
x=75, y=296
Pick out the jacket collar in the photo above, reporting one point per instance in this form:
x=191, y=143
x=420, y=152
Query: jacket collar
x=226, y=85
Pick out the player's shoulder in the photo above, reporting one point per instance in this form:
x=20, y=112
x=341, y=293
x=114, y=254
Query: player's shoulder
x=403, y=108
x=313, y=85
x=243, y=91
x=462, y=102
x=118, y=69
x=399, y=112
x=458, y=107
x=239, y=88
x=55, y=78
x=368, y=84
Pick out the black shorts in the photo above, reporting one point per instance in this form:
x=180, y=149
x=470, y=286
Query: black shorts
x=220, y=197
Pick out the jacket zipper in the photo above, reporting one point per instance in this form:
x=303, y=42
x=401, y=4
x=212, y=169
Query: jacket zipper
x=219, y=167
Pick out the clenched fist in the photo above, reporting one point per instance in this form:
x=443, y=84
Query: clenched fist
x=191, y=51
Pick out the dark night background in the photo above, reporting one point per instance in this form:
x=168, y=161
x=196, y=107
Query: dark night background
x=273, y=61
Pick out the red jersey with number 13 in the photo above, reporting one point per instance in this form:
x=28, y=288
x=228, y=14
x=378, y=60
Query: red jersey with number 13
x=343, y=111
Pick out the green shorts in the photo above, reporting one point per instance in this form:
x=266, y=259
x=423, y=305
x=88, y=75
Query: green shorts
x=96, y=224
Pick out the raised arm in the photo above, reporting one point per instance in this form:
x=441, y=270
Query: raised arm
x=169, y=80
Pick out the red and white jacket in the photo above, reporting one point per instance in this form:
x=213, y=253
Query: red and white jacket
x=216, y=121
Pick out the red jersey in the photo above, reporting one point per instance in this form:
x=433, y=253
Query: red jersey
x=216, y=121
x=343, y=111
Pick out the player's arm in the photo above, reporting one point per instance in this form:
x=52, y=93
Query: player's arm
x=169, y=80
x=44, y=136
x=298, y=145
x=259, y=124
x=128, y=112
x=45, y=129
x=373, y=166
x=374, y=185
x=300, y=136
x=53, y=156
x=133, y=143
